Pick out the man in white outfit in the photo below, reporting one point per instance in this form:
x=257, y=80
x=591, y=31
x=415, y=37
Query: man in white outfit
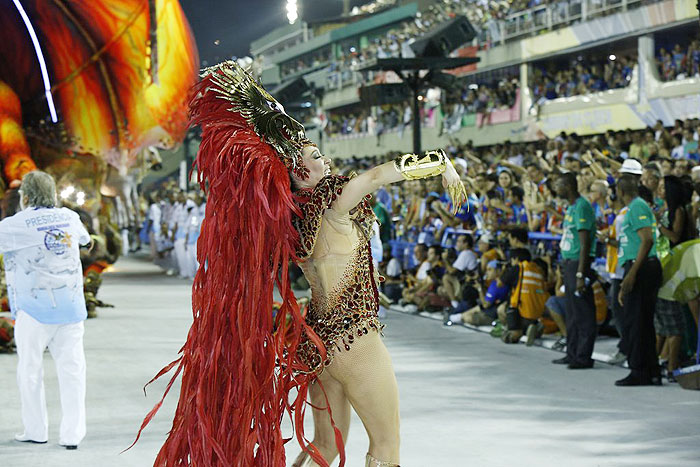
x=180, y=233
x=191, y=235
x=194, y=223
x=40, y=245
x=154, y=220
x=164, y=242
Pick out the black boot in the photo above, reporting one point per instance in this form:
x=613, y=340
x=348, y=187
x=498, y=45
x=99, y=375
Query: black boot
x=636, y=378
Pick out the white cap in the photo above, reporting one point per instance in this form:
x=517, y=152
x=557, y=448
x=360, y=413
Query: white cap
x=461, y=162
x=695, y=172
x=486, y=238
x=631, y=166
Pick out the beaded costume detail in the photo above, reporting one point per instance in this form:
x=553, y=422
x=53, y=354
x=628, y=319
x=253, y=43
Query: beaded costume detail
x=312, y=204
x=343, y=307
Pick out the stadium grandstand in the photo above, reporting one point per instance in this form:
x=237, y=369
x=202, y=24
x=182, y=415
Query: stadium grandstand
x=584, y=66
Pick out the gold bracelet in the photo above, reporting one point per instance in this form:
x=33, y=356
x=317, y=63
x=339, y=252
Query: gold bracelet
x=415, y=167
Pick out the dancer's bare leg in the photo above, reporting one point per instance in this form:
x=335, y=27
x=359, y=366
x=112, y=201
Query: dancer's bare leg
x=324, y=435
x=367, y=375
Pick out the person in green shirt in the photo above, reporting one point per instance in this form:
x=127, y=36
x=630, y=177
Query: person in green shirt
x=675, y=227
x=384, y=219
x=577, y=249
x=640, y=285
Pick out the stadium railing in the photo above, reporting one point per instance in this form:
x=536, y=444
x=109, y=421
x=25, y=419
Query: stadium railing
x=546, y=17
x=402, y=249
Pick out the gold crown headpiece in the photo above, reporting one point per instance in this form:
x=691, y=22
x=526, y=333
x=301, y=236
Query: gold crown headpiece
x=262, y=112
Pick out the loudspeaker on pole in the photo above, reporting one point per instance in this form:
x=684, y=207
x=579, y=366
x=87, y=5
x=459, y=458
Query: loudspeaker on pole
x=447, y=37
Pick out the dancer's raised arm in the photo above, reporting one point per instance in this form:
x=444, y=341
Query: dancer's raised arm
x=405, y=167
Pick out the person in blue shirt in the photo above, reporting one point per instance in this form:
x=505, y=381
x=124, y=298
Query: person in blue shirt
x=518, y=214
x=678, y=57
x=695, y=59
x=40, y=246
x=598, y=196
x=491, y=295
x=383, y=196
x=550, y=89
x=467, y=213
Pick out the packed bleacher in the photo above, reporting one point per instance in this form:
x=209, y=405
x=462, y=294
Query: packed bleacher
x=481, y=14
x=582, y=76
x=464, y=267
x=493, y=20
x=679, y=62
x=473, y=98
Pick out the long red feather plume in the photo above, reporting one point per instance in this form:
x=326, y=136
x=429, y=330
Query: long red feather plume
x=239, y=365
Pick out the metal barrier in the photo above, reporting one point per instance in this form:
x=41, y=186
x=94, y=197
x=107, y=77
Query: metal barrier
x=337, y=80
x=527, y=22
x=533, y=236
x=402, y=249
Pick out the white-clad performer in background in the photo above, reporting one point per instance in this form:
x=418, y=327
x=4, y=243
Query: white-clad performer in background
x=180, y=215
x=154, y=220
x=191, y=224
x=194, y=223
x=40, y=247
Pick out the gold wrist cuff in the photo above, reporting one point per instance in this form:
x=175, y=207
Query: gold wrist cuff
x=415, y=167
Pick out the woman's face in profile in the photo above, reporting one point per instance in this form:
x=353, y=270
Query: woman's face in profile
x=319, y=166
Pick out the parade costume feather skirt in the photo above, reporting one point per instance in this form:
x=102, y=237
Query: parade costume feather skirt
x=240, y=368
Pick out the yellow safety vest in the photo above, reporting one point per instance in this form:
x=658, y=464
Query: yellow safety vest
x=529, y=296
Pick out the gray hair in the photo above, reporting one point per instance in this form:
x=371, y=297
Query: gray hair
x=40, y=189
x=601, y=186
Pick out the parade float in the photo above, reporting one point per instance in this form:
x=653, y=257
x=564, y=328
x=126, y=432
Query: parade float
x=88, y=89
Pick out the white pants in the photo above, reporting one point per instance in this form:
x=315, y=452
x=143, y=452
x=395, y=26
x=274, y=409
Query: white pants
x=192, y=264
x=180, y=249
x=152, y=245
x=125, y=242
x=65, y=342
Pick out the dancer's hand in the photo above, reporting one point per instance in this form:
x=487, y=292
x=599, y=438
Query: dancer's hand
x=454, y=186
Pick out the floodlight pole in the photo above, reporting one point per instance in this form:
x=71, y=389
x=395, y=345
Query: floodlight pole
x=408, y=69
x=415, y=86
x=415, y=83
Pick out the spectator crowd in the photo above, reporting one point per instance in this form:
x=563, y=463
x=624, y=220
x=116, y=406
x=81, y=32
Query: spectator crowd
x=582, y=76
x=679, y=62
x=490, y=18
x=511, y=258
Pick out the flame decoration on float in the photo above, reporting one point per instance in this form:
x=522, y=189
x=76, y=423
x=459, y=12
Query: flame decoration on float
x=101, y=80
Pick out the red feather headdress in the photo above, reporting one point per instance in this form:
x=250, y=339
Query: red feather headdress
x=239, y=364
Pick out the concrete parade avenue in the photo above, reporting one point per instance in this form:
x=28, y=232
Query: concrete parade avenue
x=466, y=399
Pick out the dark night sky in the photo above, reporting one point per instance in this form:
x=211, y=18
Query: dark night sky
x=235, y=23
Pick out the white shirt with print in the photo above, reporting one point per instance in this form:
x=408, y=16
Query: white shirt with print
x=41, y=252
